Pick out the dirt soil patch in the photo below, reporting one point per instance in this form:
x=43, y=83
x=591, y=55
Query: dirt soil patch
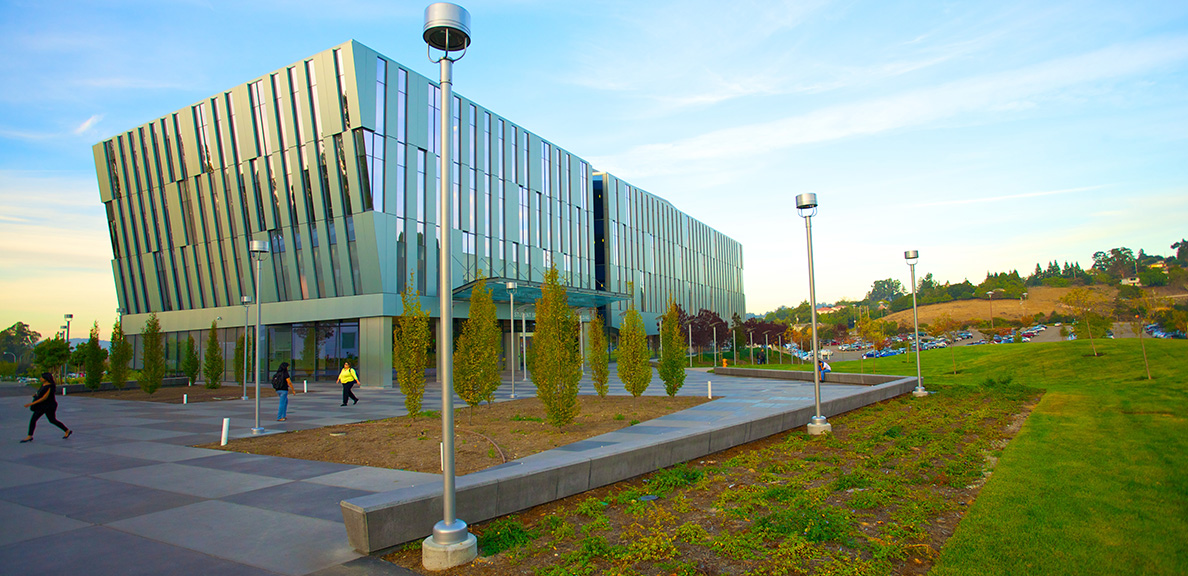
x=172, y=394
x=485, y=436
x=881, y=495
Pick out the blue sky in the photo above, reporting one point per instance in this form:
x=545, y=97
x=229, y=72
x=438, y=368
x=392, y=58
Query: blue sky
x=987, y=135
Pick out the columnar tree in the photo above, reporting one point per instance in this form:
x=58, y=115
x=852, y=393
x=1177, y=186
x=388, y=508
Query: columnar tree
x=556, y=361
x=95, y=355
x=1147, y=307
x=153, y=372
x=633, y=367
x=672, y=361
x=410, y=348
x=121, y=354
x=213, y=365
x=598, y=357
x=240, y=356
x=476, y=358
x=190, y=365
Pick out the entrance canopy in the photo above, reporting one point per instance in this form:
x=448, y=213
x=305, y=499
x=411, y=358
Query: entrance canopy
x=528, y=292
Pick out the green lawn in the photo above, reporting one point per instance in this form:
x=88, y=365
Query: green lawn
x=1097, y=480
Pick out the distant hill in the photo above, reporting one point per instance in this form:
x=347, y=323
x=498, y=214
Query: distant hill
x=1039, y=299
x=104, y=344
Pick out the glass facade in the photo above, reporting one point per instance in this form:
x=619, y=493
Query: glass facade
x=333, y=161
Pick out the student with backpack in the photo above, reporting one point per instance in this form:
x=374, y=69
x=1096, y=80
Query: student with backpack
x=283, y=385
x=348, y=378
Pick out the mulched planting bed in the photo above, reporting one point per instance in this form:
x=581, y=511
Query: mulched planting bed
x=173, y=394
x=881, y=495
x=485, y=436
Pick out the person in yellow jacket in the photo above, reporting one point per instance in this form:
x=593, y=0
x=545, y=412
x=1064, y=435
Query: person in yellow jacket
x=348, y=378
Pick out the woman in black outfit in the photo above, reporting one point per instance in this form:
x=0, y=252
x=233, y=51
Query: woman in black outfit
x=45, y=403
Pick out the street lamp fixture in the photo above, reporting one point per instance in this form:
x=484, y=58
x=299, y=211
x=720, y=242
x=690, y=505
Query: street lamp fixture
x=67, y=317
x=447, y=30
x=511, y=313
x=806, y=207
x=259, y=251
x=246, y=300
x=913, y=256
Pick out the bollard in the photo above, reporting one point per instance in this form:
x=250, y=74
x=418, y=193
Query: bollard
x=185, y=398
x=63, y=390
x=226, y=430
x=709, y=391
x=304, y=387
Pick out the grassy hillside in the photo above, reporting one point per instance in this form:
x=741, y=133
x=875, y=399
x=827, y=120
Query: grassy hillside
x=1096, y=482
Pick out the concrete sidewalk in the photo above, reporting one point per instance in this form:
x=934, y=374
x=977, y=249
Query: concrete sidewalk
x=127, y=495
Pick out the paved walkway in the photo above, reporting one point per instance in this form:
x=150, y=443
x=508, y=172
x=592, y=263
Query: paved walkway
x=128, y=495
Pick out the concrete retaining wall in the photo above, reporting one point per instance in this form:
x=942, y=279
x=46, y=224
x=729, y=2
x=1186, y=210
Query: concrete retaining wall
x=380, y=521
x=830, y=378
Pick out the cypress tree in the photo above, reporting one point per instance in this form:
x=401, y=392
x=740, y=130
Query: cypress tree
x=213, y=366
x=556, y=361
x=598, y=357
x=190, y=364
x=410, y=348
x=672, y=358
x=94, y=359
x=634, y=369
x=476, y=358
x=154, y=356
x=121, y=354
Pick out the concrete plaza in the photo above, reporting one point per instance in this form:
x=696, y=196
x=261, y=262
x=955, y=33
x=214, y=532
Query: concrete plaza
x=127, y=494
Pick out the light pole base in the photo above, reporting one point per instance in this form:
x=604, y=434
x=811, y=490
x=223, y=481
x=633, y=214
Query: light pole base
x=819, y=426
x=244, y=397
x=920, y=393
x=258, y=430
x=436, y=557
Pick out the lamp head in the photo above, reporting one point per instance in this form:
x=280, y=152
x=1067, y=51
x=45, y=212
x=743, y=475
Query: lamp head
x=246, y=300
x=68, y=316
x=511, y=285
x=806, y=204
x=258, y=247
x=447, y=27
x=912, y=256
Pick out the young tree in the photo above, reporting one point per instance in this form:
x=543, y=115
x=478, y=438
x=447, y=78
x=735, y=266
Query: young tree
x=1147, y=307
x=154, y=356
x=476, y=358
x=410, y=348
x=121, y=354
x=556, y=361
x=633, y=367
x=946, y=326
x=190, y=365
x=1084, y=302
x=672, y=358
x=874, y=332
x=94, y=357
x=213, y=365
x=240, y=356
x=599, y=357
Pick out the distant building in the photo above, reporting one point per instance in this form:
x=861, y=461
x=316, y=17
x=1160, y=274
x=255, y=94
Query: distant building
x=1131, y=281
x=333, y=161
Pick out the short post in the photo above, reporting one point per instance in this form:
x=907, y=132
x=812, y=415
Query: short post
x=185, y=398
x=709, y=390
x=63, y=389
x=305, y=387
x=226, y=430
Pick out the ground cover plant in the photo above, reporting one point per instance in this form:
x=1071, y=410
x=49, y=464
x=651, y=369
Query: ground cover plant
x=1097, y=482
x=879, y=496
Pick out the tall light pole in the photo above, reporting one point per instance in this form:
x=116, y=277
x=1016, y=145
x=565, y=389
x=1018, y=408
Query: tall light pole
x=690, y=327
x=511, y=313
x=715, y=364
x=990, y=297
x=258, y=250
x=67, y=317
x=806, y=207
x=751, y=338
x=246, y=300
x=447, y=29
x=913, y=256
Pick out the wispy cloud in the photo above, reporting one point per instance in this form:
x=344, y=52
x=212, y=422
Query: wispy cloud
x=911, y=109
x=88, y=123
x=1006, y=197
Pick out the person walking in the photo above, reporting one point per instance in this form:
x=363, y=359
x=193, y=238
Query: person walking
x=348, y=378
x=283, y=385
x=45, y=403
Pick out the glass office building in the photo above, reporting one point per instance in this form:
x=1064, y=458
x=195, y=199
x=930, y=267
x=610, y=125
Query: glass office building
x=333, y=161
